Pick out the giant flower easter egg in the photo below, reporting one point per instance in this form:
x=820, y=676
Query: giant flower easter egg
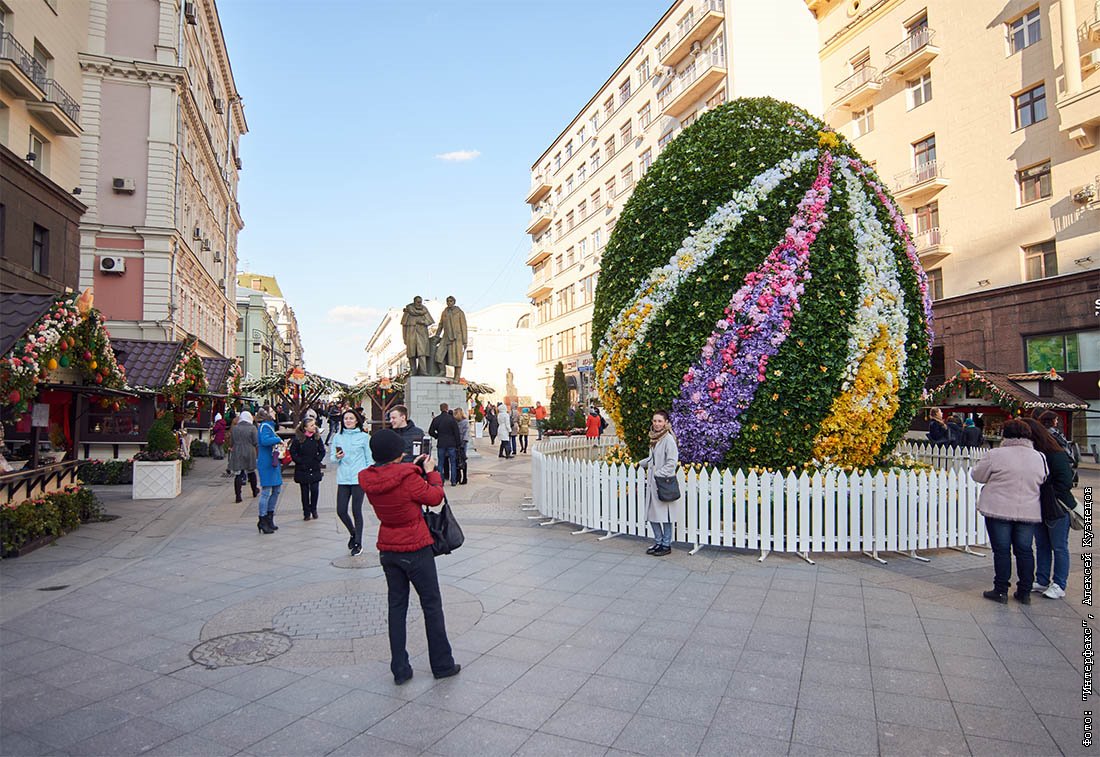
x=761, y=285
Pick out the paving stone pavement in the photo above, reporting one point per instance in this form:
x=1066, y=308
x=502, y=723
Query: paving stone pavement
x=569, y=645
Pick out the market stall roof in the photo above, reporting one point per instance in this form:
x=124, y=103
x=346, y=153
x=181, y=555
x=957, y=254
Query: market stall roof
x=217, y=374
x=18, y=312
x=973, y=387
x=147, y=363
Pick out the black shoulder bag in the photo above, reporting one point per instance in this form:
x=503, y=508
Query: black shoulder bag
x=445, y=531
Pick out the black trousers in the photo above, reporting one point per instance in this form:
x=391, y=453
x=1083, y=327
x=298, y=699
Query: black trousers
x=310, y=492
x=417, y=568
x=523, y=442
x=505, y=447
x=352, y=492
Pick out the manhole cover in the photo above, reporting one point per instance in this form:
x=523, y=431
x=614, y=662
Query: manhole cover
x=348, y=616
x=245, y=648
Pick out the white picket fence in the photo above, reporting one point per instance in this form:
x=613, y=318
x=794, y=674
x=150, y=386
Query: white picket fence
x=804, y=514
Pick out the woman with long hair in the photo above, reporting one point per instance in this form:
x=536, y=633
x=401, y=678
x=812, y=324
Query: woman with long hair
x=308, y=452
x=351, y=454
x=663, y=460
x=1052, y=536
x=1012, y=474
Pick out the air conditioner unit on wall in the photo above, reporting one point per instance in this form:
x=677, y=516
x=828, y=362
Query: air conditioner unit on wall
x=189, y=13
x=112, y=264
x=123, y=185
x=696, y=47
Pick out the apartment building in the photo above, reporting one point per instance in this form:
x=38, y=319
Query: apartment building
x=984, y=119
x=40, y=128
x=259, y=345
x=159, y=170
x=281, y=317
x=697, y=55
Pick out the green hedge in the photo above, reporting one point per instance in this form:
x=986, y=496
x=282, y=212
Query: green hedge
x=50, y=515
x=109, y=472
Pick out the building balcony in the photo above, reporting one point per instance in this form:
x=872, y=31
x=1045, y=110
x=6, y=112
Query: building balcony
x=859, y=89
x=911, y=56
x=706, y=17
x=539, y=189
x=920, y=184
x=540, y=285
x=1080, y=116
x=540, y=220
x=19, y=71
x=539, y=253
x=58, y=110
x=930, y=247
x=690, y=85
x=1090, y=30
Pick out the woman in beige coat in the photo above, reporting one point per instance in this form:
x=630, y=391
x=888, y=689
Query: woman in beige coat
x=1009, y=501
x=663, y=460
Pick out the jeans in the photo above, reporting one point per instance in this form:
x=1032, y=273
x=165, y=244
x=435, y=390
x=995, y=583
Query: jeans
x=310, y=492
x=448, y=463
x=269, y=497
x=662, y=533
x=512, y=441
x=1007, y=537
x=1052, y=540
x=418, y=568
x=345, y=492
x=538, y=427
x=216, y=451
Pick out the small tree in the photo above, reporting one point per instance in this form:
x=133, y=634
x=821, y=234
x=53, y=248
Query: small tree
x=160, y=437
x=559, y=401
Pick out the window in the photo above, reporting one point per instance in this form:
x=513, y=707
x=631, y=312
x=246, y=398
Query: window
x=595, y=161
x=1078, y=351
x=627, y=175
x=608, y=107
x=569, y=221
x=920, y=90
x=609, y=148
x=581, y=135
x=594, y=123
x=926, y=218
x=570, y=256
x=861, y=61
x=924, y=155
x=595, y=201
x=36, y=146
x=3, y=232
x=597, y=240
x=624, y=91
x=569, y=184
x=559, y=264
x=664, y=92
x=1031, y=106
x=569, y=149
x=1040, y=261
x=557, y=162
x=582, y=210
x=863, y=121
x=1034, y=183
x=644, y=117
x=643, y=72
x=609, y=187
x=917, y=27
x=665, y=139
x=1024, y=31
x=646, y=160
x=626, y=131
x=690, y=118
x=586, y=336
x=717, y=99
x=935, y=283
x=40, y=250
x=663, y=46
x=557, y=229
x=582, y=173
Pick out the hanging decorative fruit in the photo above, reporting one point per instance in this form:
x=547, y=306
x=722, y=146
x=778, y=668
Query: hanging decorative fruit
x=64, y=361
x=51, y=364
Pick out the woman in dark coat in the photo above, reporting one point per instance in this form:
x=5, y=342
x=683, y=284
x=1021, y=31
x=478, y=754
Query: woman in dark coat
x=492, y=423
x=937, y=429
x=242, y=455
x=307, y=451
x=1052, y=536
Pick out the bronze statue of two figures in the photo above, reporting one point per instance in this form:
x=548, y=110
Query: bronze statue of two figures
x=430, y=355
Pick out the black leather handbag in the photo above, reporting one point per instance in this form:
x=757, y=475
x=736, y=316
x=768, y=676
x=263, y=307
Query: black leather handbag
x=668, y=488
x=446, y=533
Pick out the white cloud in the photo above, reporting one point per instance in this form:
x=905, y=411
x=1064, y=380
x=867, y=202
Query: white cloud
x=459, y=156
x=353, y=314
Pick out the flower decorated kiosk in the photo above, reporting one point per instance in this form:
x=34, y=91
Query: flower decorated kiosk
x=762, y=286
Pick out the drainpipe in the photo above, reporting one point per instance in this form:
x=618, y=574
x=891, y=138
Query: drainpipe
x=1071, y=49
x=176, y=209
x=230, y=102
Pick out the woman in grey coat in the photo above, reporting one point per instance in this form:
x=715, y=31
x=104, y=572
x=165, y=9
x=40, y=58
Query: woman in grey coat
x=663, y=460
x=242, y=455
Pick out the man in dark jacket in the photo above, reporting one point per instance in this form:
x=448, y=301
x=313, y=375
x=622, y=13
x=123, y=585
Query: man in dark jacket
x=409, y=433
x=444, y=429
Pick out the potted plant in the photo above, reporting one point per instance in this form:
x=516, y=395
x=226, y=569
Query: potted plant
x=158, y=469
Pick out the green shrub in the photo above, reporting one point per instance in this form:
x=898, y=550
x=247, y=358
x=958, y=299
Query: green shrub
x=106, y=472
x=161, y=438
x=558, y=420
x=200, y=449
x=49, y=515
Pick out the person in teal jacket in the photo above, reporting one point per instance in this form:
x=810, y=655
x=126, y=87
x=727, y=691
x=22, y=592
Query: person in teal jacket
x=270, y=470
x=351, y=452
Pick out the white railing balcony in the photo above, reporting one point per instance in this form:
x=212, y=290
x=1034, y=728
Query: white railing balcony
x=540, y=187
x=930, y=246
x=859, y=88
x=921, y=182
x=912, y=54
x=700, y=22
x=541, y=216
x=687, y=87
x=540, y=283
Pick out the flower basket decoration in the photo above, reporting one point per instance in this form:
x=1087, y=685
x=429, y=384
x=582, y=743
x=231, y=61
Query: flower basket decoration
x=186, y=376
x=233, y=380
x=70, y=334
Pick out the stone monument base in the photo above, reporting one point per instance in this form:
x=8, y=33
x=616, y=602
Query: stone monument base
x=423, y=394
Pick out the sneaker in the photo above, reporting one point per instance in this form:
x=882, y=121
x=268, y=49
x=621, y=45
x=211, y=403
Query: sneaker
x=662, y=551
x=996, y=596
x=1040, y=587
x=357, y=550
x=653, y=549
x=1054, y=591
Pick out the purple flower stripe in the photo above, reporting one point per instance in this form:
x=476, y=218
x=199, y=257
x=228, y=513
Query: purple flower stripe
x=723, y=382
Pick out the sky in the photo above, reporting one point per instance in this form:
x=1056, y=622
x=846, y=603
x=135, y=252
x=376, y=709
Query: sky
x=390, y=146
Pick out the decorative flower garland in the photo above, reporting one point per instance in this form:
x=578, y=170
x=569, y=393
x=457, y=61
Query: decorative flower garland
x=233, y=380
x=187, y=375
x=70, y=335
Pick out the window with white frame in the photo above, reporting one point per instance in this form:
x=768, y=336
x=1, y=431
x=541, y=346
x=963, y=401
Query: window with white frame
x=609, y=188
x=643, y=71
x=608, y=107
x=582, y=173
x=582, y=248
x=595, y=200
x=627, y=175
x=644, y=116
x=646, y=160
x=557, y=161
x=569, y=184
x=1030, y=106
x=594, y=161
x=569, y=149
x=626, y=132
x=1034, y=182
x=1040, y=261
x=582, y=210
x=624, y=90
x=609, y=148
x=597, y=240
x=1025, y=31
x=935, y=283
x=919, y=90
x=863, y=121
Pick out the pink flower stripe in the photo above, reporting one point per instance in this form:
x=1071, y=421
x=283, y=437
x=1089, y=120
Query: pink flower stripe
x=910, y=249
x=723, y=382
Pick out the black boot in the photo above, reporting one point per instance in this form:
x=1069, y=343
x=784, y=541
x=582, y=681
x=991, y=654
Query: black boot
x=238, y=484
x=254, y=484
x=271, y=521
x=313, y=513
x=262, y=527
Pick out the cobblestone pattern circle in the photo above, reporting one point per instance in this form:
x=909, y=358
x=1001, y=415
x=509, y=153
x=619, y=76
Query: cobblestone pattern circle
x=245, y=648
x=349, y=616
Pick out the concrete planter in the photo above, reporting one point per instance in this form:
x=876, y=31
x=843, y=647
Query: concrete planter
x=157, y=480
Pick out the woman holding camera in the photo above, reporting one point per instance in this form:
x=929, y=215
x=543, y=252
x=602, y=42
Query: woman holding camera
x=351, y=454
x=396, y=491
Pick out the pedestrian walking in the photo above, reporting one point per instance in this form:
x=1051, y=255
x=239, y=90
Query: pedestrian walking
x=409, y=432
x=1052, y=536
x=492, y=423
x=592, y=424
x=1012, y=474
x=217, y=437
x=270, y=468
x=955, y=430
x=504, y=426
x=540, y=419
x=243, y=454
x=351, y=454
x=308, y=452
x=524, y=430
x=513, y=426
x=972, y=435
x=444, y=429
x=463, y=441
x=397, y=490
x=334, y=414
x=663, y=460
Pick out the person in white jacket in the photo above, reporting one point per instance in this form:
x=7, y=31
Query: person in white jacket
x=663, y=460
x=1009, y=500
x=504, y=428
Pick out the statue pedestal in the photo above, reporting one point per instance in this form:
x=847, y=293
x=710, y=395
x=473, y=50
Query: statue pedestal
x=423, y=395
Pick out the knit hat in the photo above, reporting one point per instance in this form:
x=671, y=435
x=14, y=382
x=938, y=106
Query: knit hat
x=968, y=422
x=386, y=446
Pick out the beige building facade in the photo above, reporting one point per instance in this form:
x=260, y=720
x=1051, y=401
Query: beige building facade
x=984, y=121
x=281, y=316
x=699, y=54
x=159, y=169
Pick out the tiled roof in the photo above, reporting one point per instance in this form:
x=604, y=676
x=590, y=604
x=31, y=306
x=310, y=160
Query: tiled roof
x=1060, y=399
x=217, y=371
x=147, y=363
x=18, y=312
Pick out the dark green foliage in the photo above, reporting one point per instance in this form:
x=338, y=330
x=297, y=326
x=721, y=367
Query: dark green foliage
x=200, y=449
x=558, y=420
x=161, y=437
x=109, y=472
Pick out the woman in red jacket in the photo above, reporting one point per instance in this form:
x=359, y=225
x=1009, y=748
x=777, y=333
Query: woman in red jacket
x=396, y=491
